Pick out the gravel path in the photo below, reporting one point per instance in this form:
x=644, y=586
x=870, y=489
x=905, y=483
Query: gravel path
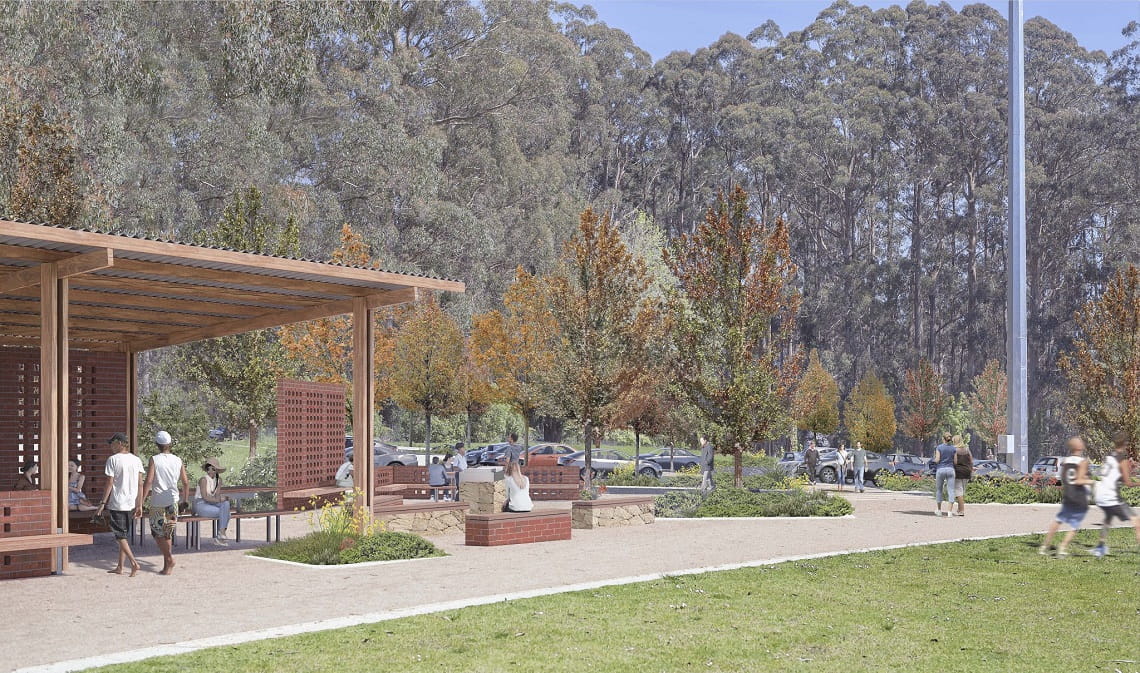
x=219, y=591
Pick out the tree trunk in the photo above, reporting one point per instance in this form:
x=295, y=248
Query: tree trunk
x=526, y=437
x=738, y=467
x=636, y=449
x=587, y=437
x=467, y=430
x=427, y=437
x=253, y=433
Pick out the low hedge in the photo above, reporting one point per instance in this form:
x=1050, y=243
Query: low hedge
x=739, y=502
x=334, y=548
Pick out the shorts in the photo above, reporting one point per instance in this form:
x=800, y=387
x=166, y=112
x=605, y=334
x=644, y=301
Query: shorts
x=120, y=522
x=1072, y=516
x=1120, y=511
x=162, y=521
x=960, y=487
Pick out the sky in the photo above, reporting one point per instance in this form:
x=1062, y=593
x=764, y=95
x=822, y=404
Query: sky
x=664, y=26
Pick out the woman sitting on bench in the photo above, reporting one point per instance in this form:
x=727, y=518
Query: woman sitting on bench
x=518, y=489
x=76, y=501
x=209, y=501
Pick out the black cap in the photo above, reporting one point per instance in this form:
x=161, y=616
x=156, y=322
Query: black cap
x=119, y=437
x=458, y=445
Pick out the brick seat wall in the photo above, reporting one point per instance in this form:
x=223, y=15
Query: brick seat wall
x=490, y=530
x=24, y=513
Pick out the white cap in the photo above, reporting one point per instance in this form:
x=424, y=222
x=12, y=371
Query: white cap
x=163, y=438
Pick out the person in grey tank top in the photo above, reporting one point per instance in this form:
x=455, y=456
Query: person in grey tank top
x=944, y=476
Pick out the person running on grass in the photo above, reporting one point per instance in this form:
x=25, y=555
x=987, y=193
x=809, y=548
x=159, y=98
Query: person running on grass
x=1117, y=468
x=1075, y=498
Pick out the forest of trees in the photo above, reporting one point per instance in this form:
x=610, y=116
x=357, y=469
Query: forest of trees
x=463, y=139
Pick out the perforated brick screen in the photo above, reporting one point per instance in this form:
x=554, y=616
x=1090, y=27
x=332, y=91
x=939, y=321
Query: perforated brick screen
x=98, y=396
x=310, y=433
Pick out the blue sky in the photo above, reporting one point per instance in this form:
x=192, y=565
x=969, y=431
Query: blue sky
x=663, y=26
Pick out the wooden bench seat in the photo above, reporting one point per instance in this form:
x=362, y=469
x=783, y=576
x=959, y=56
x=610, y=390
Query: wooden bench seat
x=304, y=498
x=272, y=523
x=489, y=530
x=47, y=541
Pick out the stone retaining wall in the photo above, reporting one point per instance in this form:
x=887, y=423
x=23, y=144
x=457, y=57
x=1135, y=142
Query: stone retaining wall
x=485, y=497
x=427, y=518
x=606, y=512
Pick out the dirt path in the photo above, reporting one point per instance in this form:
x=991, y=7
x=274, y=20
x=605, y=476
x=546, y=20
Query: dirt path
x=221, y=591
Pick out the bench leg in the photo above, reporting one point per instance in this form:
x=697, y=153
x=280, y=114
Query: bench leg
x=237, y=529
x=278, y=517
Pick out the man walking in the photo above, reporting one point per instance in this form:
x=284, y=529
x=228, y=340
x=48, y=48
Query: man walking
x=811, y=460
x=122, y=496
x=708, y=458
x=1074, y=499
x=1117, y=468
x=514, y=450
x=164, y=475
x=859, y=465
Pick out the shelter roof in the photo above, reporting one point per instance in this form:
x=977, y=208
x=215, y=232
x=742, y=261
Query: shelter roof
x=134, y=294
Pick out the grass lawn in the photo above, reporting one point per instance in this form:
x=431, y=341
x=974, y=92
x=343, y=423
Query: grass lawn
x=992, y=605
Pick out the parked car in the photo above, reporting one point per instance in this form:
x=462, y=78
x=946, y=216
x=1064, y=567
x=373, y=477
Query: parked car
x=496, y=454
x=604, y=461
x=679, y=460
x=218, y=434
x=547, y=454
x=476, y=456
x=826, y=470
x=905, y=463
x=1049, y=466
x=383, y=454
x=995, y=468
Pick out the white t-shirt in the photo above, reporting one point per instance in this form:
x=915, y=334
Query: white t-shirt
x=167, y=470
x=459, y=461
x=1108, y=488
x=124, y=469
x=518, y=497
x=343, y=475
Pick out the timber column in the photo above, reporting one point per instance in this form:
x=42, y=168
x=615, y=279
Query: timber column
x=363, y=393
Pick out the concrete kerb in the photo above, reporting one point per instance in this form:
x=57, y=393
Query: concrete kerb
x=375, y=617
x=341, y=566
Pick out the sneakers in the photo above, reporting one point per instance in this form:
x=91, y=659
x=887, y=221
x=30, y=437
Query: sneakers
x=1100, y=551
x=1043, y=550
x=221, y=542
x=939, y=512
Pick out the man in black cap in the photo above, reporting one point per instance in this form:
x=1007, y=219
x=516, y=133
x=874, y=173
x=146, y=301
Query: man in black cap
x=122, y=496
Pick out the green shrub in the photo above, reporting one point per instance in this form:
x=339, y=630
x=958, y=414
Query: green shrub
x=317, y=548
x=623, y=475
x=682, y=479
x=901, y=482
x=1010, y=492
x=733, y=502
x=261, y=471
x=749, y=459
x=770, y=480
x=389, y=546
x=1131, y=495
x=680, y=504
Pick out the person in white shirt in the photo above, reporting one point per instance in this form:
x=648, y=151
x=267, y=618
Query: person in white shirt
x=841, y=466
x=343, y=476
x=518, y=489
x=167, y=486
x=122, y=496
x=458, y=463
x=1116, y=472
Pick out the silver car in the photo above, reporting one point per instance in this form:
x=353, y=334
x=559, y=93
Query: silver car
x=826, y=470
x=604, y=461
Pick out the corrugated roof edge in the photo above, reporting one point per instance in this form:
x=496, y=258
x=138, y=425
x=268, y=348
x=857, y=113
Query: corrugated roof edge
x=141, y=237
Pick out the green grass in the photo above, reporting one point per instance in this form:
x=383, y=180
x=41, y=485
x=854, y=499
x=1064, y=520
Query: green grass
x=970, y=607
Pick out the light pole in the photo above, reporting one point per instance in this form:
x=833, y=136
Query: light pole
x=1017, y=410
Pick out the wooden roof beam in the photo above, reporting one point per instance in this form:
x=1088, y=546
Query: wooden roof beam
x=68, y=266
x=273, y=319
x=116, y=301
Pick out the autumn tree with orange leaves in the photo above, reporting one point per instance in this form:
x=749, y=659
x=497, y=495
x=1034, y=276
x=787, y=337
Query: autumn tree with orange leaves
x=1103, y=368
x=517, y=347
x=733, y=326
x=597, y=294
x=321, y=350
x=925, y=402
x=987, y=403
x=476, y=389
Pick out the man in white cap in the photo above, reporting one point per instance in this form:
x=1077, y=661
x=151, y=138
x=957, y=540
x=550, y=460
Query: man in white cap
x=164, y=474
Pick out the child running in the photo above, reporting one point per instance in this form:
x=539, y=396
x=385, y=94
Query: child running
x=1117, y=468
x=1075, y=499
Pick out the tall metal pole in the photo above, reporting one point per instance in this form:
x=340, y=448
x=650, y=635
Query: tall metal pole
x=1017, y=362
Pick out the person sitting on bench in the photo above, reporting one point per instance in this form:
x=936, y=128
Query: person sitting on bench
x=518, y=489
x=343, y=477
x=209, y=502
x=76, y=501
x=24, y=481
x=437, y=475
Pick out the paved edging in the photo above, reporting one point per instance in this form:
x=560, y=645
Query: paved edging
x=388, y=615
x=342, y=566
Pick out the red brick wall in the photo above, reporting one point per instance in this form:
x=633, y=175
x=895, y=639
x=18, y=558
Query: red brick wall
x=25, y=513
x=490, y=530
x=310, y=434
x=98, y=396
